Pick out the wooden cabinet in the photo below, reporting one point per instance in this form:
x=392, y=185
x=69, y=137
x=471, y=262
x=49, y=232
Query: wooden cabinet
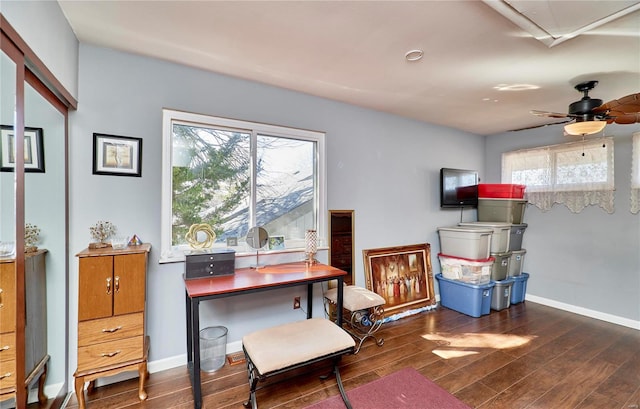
x=35, y=325
x=111, y=315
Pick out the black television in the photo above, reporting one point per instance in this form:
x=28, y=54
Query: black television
x=458, y=188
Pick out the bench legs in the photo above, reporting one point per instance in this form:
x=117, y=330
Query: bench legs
x=254, y=377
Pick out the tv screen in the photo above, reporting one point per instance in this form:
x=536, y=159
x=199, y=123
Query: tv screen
x=458, y=188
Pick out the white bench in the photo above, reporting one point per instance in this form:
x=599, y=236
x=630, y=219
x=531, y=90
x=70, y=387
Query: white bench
x=364, y=311
x=278, y=349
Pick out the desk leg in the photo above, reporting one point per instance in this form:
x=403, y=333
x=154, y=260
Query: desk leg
x=339, y=301
x=189, y=324
x=309, y=301
x=195, y=335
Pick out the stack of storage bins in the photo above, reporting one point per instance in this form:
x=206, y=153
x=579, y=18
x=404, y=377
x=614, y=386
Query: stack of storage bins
x=465, y=281
x=504, y=203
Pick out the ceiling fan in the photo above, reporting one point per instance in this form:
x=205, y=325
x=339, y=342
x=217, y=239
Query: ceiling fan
x=589, y=115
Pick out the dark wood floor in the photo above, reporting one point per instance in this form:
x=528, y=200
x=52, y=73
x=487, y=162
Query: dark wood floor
x=526, y=356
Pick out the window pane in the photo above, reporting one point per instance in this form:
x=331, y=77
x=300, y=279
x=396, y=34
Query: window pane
x=285, y=186
x=210, y=180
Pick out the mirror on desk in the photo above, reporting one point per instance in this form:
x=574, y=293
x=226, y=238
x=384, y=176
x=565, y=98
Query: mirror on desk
x=257, y=238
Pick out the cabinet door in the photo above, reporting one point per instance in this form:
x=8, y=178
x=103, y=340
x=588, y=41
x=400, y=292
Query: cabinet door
x=95, y=287
x=129, y=275
x=7, y=297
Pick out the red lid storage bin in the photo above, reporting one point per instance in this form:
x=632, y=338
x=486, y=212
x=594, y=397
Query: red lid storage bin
x=500, y=191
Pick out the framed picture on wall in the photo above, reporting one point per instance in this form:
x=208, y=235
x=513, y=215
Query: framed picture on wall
x=33, y=149
x=401, y=275
x=117, y=155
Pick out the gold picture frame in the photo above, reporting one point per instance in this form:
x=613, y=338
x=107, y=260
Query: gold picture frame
x=401, y=275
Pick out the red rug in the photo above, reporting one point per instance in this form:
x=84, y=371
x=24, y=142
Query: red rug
x=405, y=389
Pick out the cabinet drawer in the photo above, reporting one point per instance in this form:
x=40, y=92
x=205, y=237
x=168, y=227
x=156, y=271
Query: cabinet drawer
x=110, y=353
x=8, y=346
x=110, y=329
x=8, y=374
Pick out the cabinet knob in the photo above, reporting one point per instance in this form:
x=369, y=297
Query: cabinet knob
x=109, y=354
x=4, y=348
x=117, y=284
x=8, y=374
x=1, y=303
x=111, y=330
x=109, y=285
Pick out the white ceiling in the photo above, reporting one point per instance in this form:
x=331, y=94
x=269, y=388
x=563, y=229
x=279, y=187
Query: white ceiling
x=354, y=51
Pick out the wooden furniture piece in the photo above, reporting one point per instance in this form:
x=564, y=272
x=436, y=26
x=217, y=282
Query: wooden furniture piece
x=36, y=357
x=244, y=281
x=276, y=350
x=341, y=239
x=111, y=315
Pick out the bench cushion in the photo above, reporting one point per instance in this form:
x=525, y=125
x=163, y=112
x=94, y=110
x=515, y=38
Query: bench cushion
x=282, y=346
x=356, y=298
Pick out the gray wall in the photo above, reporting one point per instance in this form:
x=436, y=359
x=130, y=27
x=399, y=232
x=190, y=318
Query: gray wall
x=384, y=167
x=586, y=262
x=43, y=26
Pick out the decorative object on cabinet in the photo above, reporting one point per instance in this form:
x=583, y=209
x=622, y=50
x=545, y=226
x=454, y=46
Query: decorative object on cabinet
x=111, y=316
x=33, y=149
x=117, y=155
x=7, y=248
x=401, y=275
x=35, y=354
x=119, y=242
x=135, y=241
x=100, y=232
x=31, y=237
x=200, y=236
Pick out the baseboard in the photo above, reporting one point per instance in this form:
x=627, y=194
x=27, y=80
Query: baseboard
x=614, y=319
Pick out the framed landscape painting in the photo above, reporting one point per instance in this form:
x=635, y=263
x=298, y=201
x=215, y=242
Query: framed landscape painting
x=401, y=275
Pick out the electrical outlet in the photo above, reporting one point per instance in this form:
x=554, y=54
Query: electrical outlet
x=296, y=303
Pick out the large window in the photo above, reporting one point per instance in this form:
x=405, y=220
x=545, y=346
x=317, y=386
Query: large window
x=234, y=175
x=575, y=174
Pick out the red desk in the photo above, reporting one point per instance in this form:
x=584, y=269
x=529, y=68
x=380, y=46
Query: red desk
x=246, y=281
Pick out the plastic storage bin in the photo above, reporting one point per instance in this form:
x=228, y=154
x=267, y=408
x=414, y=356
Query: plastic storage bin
x=213, y=348
x=516, y=262
x=500, y=269
x=500, y=191
x=465, y=270
x=469, y=299
x=517, y=233
x=501, y=296
x=464, y=242
x=500, y=236
x=501, y=210
x=519, y=288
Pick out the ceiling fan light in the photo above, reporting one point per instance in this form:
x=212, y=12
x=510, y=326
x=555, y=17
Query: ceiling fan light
x=585, y=127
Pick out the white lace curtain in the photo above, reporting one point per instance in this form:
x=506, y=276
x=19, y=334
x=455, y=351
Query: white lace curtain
x=577, y=174
x=635, y=174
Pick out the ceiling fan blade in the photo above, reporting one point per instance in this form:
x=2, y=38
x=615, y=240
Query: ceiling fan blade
x=623, y=118
x=550, y=114
x=625, y=105
x=540, y=126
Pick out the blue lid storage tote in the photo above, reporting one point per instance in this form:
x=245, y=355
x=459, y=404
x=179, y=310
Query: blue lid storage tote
x=519, y=288
x=469, y=299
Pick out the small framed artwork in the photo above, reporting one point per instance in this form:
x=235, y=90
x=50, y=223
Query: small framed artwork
x=232, y=241
x=33, y=149
x=117, y=155
x=401, y=275
x=276, y=242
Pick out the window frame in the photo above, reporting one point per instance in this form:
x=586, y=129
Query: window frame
x=169, y=116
